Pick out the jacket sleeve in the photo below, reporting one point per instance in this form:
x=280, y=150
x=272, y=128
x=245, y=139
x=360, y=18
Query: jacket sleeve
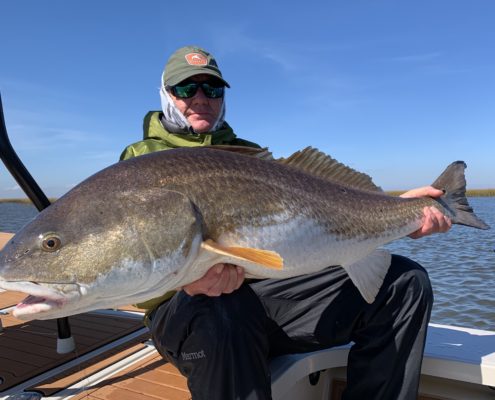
x=143, y=147
x=128, y=153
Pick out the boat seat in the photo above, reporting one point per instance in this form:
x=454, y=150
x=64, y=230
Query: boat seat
x=455, y=353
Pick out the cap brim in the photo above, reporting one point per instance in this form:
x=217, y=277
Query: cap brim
x=181, y=77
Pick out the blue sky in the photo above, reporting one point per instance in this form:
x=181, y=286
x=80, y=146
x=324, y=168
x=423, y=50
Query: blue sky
x=395, y=89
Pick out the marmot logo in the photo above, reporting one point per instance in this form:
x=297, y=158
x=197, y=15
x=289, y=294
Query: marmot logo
x=196, y=355
x=196, y=59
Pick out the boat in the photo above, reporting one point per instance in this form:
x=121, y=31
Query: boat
x=115, y=358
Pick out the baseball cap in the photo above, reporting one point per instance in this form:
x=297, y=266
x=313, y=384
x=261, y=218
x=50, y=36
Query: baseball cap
x=189, y=61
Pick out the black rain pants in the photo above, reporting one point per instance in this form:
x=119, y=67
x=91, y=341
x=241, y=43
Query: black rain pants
x=223, y=344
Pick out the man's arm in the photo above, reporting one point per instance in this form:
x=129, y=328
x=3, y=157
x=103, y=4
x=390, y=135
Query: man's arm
x=434, y=221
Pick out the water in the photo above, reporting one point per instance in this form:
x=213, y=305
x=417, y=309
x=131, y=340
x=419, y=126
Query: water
x=461, y=264
x=13, y=216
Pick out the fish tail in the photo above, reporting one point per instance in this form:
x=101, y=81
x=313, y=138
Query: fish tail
x=453, y=182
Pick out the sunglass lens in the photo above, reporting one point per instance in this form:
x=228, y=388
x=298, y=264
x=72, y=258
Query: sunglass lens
x=213, y=92
x=189, y=90
x=185, y=91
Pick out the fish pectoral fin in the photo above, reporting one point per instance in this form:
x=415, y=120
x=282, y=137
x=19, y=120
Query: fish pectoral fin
x=368, y=273
x=266, y=258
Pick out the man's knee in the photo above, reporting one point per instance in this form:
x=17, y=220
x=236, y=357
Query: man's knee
x=411, y=279
x=225, y=316
x=205, y=320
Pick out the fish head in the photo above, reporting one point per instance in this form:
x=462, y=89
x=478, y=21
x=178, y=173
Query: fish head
x=106, y=250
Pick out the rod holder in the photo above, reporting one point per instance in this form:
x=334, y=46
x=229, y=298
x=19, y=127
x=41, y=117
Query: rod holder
x=35, y=194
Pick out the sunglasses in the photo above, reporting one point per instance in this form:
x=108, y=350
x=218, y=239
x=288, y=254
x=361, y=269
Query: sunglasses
x=189, y=89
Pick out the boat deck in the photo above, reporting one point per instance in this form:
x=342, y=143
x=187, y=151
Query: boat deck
x=113, y=358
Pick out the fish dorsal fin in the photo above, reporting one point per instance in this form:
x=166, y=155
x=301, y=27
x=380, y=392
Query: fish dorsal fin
x=263, y=153
x=266, y=258
x=317, y=163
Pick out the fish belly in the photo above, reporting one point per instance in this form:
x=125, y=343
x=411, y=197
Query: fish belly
x=305, y=245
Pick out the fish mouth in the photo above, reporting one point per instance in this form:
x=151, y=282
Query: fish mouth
x=36, y=305
x=43, y=298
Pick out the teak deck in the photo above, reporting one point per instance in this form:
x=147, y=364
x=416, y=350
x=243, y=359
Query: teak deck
x=28, y=350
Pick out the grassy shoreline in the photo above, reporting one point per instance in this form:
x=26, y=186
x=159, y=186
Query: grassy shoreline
x=469, y=192
x=24, y=200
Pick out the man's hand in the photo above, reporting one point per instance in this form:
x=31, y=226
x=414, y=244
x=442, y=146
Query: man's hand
x=221, y=278
x=434, y=221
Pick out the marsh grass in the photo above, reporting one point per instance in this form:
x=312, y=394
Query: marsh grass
x=481, y=192
x=469, y=192
x=23, y=200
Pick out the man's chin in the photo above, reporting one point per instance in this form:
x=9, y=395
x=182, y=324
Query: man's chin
x=201, y=125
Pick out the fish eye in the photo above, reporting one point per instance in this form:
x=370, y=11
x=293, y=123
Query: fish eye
x=51, y=243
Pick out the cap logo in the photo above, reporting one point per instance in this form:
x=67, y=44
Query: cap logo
x=196, y=59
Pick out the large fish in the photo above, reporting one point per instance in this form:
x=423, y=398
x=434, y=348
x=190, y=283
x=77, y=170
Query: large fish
x=144, y=226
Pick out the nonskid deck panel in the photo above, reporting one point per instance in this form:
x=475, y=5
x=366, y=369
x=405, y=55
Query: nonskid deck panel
x=28, y=349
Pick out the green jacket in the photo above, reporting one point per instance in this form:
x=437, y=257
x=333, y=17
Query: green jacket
x=156, y=138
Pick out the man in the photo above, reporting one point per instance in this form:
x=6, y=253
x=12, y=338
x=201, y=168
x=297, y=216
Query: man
x=221, y=331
